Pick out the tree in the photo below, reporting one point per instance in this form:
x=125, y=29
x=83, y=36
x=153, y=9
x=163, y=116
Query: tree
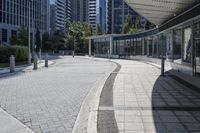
x=13, y=40
x=128, y=24
x=86, y=33
x=148, y=25
x=77, y=34
x=138, y=24
x=58, y=40
x=38, y=40
x=45, y=41
x=98, y=30
x=22, y=37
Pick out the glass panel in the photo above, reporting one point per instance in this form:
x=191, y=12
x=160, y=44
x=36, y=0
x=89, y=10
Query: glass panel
x=197, y=28
x=187, y=45
x=169, y=38
x=197, y=42
x=150, y=48
x=177, y=46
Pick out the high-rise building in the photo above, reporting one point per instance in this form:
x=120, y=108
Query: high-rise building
x=60, y=14
x=117, y=11
x=80, y=10
x=14, y=14
x=52, y=18
x=97, y=14
x=92, y=13
x=69, y=9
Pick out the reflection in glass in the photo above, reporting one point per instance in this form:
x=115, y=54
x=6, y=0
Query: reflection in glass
x=187, y=45
x=177, y=46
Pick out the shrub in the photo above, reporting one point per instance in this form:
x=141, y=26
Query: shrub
x=20, y=53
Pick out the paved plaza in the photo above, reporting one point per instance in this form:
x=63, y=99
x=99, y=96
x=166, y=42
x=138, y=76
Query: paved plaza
x=134, y=99
x=48, y=100
x=138, y=100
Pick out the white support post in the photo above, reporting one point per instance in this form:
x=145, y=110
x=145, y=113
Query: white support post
x=90, y=48
x=111, y=46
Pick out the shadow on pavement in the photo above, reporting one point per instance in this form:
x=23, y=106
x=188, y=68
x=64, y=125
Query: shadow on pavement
x=175, y=107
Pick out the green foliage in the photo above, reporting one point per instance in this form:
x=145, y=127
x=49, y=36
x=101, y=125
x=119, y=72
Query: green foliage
x=13, y=40
x=21, y=39
x=46, y=41
x=148, y=25
x=38, y=40
x=58, y=40
x=77, y=34
x=128, y=24
x=131, y=26
x=20, y=53
x=98, y=30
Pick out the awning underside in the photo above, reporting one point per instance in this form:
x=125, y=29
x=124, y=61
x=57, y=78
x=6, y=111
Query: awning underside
x=159, y=11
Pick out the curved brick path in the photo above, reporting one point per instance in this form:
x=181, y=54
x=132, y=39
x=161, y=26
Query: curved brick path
x=49, y=100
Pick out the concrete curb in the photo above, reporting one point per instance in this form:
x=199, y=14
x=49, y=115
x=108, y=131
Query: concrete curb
x=9, y=124
x=86, y=121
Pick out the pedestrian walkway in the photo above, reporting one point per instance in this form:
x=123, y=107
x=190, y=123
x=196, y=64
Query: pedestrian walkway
x=141, y=101
x=11, y=125
x=49, y=100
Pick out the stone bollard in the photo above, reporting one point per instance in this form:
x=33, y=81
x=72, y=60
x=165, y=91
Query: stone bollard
x=35, y=62
x=46, y=60
x=73, y=54
x=163, y=67
x=12, y=63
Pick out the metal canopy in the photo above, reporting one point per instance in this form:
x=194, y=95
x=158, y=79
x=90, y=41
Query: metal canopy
x=159, y=11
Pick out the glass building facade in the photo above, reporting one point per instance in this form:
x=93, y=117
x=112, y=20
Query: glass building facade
x=180, y=46
x=117, y=11
x=15, y=13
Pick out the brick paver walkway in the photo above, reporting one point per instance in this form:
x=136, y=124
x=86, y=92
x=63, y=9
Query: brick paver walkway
x=145, y=102
x=49, y=100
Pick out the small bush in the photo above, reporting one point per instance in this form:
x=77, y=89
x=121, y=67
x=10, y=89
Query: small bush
x=20, y=53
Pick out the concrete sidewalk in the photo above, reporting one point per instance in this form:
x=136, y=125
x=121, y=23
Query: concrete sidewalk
x=140, y=100
x=11, y=125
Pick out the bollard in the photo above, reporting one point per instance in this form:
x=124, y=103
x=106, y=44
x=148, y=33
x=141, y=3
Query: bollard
x=73, y=54
x=163, y=67
x=12, y=63
x=35, y=62
x=63, y=53
x=46, y=60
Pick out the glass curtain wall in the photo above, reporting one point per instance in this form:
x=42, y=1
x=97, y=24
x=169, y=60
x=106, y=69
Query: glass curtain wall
x=177, y=46
x=187, y=47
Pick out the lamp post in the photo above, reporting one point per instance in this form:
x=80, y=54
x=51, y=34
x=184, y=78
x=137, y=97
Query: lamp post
x=29, y=38
x=163, y=59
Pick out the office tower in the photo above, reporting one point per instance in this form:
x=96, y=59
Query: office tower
x=60, y=14
x=14, y=14
x=97, y=14
x=80, y=10
x=117, y=11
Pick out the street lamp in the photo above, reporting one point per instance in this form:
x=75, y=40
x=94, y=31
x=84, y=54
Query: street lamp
x=29, y=38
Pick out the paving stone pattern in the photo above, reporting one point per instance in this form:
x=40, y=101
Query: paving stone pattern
x=49, y=100
x=144, y=102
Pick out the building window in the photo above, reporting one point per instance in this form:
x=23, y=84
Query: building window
x=4, y=35
x=197, y=28
x=187, y=49
x=177, y=46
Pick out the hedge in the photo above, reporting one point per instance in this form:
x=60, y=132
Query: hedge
x=20, y=53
